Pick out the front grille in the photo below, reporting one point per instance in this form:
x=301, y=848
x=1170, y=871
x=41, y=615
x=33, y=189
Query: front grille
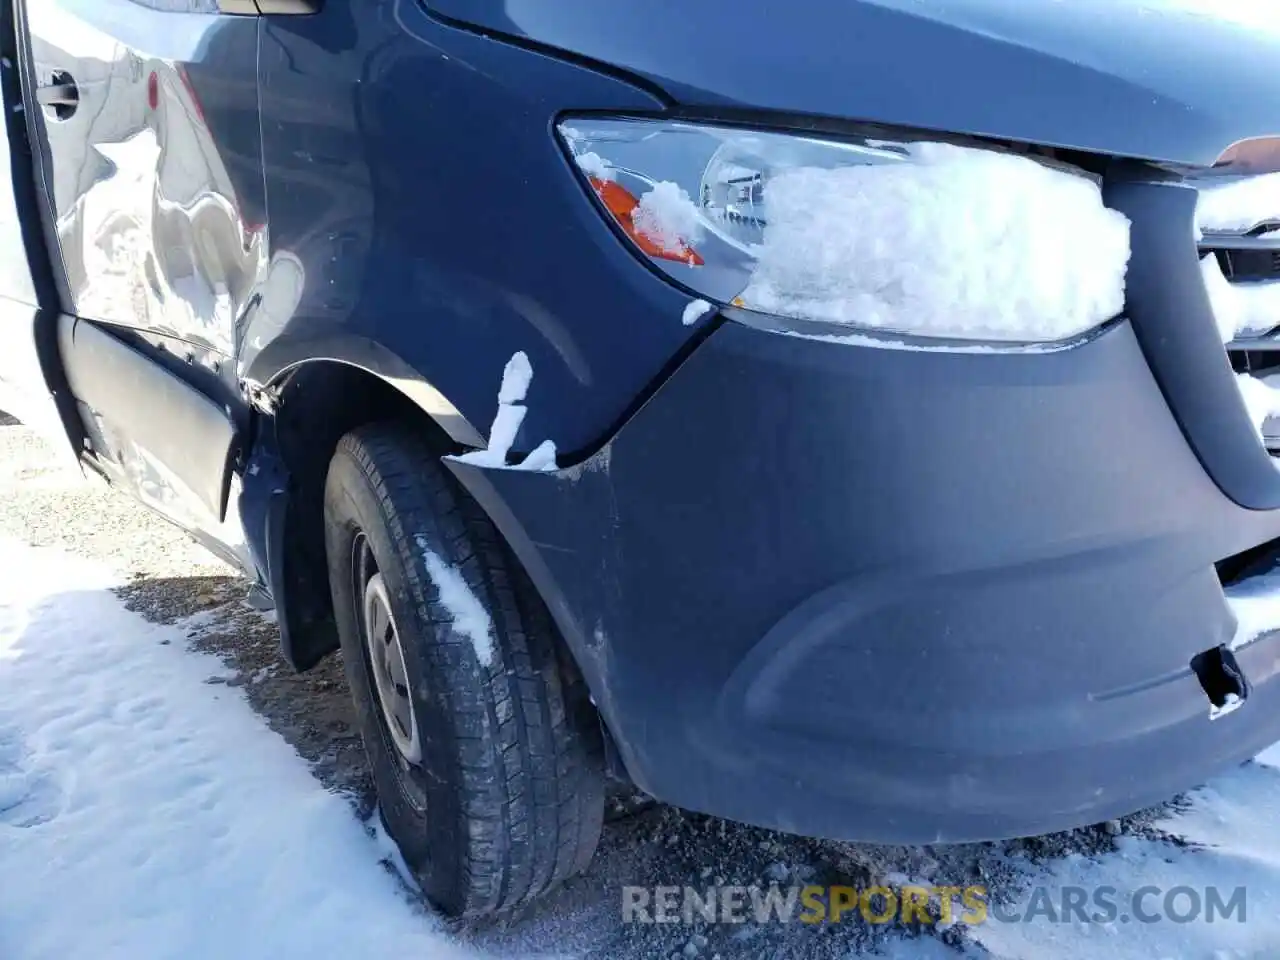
x=1252, y=266
x=1182, y=302
x=1249, y=265
x=1250, y=261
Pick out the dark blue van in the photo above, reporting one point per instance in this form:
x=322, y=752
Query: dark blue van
x=850, y=417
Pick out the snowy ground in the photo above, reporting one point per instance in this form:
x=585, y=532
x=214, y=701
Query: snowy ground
x=168, y=790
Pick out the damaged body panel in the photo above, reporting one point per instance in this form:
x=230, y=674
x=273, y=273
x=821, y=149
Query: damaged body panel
x=674, y=293
x=145, y=122
x=153, y=231
x=879, y=611
x=403, y=245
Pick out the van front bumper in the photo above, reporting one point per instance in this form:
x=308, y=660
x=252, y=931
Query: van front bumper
x=883, y=594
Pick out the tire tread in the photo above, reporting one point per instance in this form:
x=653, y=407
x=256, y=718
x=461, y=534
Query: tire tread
x=528, y=765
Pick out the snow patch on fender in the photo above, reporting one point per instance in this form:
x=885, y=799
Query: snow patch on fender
x=958, y=243
x=694, y=311
x=517, y=375
x=470, y=618
x=543, y=457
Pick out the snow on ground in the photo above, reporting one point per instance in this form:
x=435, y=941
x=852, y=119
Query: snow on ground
x=1229, y=837
x=146, y=814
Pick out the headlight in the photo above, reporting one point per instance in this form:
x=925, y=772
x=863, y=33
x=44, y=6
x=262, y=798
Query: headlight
x=920, y=238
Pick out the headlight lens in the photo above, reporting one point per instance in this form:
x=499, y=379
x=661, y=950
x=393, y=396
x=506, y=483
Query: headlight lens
x=919, y=238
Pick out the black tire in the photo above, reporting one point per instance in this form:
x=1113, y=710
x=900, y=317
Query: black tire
x=506, y=798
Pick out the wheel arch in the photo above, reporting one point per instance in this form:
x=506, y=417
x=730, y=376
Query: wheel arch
x=311, y=404
x=284, y=358
x=316, y=403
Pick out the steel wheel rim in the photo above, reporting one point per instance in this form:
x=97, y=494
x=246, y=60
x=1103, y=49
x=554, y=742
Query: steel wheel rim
x=387, y=664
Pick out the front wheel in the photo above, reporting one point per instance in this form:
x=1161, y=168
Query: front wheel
x=485, y=750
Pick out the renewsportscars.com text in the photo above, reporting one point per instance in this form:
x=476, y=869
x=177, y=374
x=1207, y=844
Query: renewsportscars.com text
x=941, y=905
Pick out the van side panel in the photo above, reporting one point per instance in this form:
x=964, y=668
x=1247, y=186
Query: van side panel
x=424, y=216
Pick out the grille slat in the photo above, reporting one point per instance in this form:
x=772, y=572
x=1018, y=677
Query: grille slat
x=1269, y=240
x=1249, y=257
x=1250, y=262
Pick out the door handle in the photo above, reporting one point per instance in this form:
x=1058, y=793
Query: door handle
x=61, y=98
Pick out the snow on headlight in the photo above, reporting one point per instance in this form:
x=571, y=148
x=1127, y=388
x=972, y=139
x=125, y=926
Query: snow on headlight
x=960, y=243
x=668, y=217
x=930, y=240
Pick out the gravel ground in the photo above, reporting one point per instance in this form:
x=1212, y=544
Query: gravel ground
x=172, y=580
